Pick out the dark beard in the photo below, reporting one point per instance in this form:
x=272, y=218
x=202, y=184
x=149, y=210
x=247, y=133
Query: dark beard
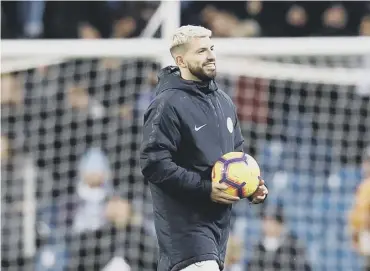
x=200, y=74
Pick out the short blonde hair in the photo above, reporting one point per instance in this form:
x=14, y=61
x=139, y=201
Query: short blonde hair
x=185, y=33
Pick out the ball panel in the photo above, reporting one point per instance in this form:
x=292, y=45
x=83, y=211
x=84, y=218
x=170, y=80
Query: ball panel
x=250, y=187
x=252, y=163
x=235, y=160
x=217, y=171
x=237, y=172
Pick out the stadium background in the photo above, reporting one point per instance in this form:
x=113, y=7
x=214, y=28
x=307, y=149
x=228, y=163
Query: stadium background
x=81, y=120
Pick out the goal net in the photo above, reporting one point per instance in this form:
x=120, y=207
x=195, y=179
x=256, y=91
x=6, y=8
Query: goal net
x=71, y=114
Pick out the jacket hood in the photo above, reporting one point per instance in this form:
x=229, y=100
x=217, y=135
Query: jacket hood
x=170, y=78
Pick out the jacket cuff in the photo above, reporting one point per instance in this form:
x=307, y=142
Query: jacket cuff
x=207, y=187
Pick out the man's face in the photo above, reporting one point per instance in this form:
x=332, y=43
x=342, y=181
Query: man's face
x=200, y=59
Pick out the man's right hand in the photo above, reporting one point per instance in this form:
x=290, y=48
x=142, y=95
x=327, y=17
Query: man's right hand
x=219, y=195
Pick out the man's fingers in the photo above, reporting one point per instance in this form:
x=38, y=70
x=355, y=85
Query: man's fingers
x=261, y=190
x=262, y=182
x=226, y=196
x=261, y=197
x=260, y=194
x=221, y=186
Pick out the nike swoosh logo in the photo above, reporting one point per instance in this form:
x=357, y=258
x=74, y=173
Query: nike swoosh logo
x=200, y=127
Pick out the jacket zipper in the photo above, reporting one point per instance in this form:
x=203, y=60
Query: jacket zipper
x=217, y=120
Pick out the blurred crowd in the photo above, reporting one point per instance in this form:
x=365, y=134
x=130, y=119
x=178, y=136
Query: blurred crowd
x=75, y=140
x=280, y=19
x=73, y=129
x=127, y=19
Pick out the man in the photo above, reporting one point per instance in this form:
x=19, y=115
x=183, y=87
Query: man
x=188, y=126
x=360, y=214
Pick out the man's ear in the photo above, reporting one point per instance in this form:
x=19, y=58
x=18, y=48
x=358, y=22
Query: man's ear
x=179, y=59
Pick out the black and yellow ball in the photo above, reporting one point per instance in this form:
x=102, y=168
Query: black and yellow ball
x=239, y=171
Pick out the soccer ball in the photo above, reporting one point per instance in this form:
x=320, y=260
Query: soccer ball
x=239, y=171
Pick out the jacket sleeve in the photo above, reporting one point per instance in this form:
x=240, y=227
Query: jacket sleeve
x=161, y=139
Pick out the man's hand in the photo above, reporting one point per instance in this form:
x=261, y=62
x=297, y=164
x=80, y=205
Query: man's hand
x=260, y=194
x=219, y=195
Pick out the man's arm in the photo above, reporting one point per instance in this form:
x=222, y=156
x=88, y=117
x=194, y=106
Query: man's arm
x=161, y=139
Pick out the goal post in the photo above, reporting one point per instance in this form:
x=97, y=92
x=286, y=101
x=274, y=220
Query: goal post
x=237, y=55
x=75, y=106
x=328, y=46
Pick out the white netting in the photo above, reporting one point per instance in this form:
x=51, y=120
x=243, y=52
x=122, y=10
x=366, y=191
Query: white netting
x=74, y=121
x=76, y=106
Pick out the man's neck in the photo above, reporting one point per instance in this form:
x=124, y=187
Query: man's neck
x=186, y=75
x=191, y=78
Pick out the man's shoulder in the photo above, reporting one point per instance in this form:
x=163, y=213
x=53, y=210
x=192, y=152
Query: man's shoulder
x=168, y=98
x=165, y=101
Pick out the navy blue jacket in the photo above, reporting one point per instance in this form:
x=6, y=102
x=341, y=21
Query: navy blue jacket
x=187, y=127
